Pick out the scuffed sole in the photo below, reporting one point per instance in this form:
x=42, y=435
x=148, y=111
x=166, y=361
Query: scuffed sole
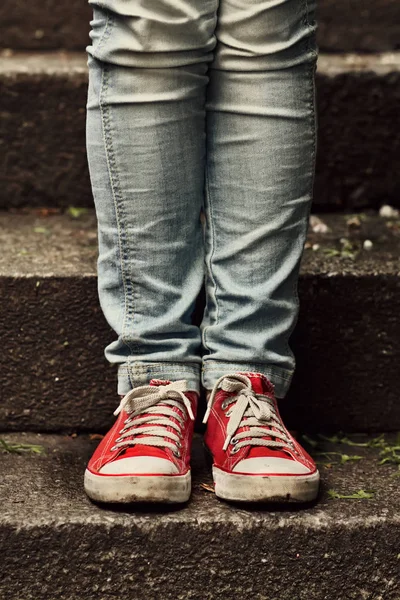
x=169, y=489
x=265, y=488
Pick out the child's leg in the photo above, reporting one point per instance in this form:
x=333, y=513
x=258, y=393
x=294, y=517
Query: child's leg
x=146, y=146
x=260, y=170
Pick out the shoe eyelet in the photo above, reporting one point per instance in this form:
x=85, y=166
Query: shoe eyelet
x=228, y=413
x=224, y=405
x=235, y=450
x=113, y=449
x=179, y=444
x=176, y=453
x=234, y=441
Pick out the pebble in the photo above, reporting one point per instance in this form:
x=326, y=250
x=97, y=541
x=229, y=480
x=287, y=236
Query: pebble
x=317, y=225
x=388, y=212
x=354, y=222
x=367, y=245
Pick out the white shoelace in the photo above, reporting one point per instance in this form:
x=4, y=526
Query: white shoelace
x=157, y=404
x=248, y=409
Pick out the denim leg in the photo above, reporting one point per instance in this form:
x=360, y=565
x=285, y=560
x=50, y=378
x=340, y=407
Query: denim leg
x=146, y=149
x=260, y=172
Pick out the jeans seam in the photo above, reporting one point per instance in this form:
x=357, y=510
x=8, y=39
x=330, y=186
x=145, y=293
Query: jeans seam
x=209, y=272
x=158, y=370
x=104, y=37
x=280, y=374
x=114, y=183
x=311, y=106
x=308, y=24
x=145, y=368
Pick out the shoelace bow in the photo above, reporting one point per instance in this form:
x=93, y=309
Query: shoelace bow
x=255, y=411
x=156, y=404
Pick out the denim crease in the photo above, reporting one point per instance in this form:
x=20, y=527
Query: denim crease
x=201, y=108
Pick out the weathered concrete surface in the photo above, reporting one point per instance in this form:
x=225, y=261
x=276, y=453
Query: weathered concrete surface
x=42, y=130
x=45, y=25
x=55, y=544
x=358, y=99
x=53, y=375
x=357, y=25
x=43, y=159
x=39, y=242
x=343, y=26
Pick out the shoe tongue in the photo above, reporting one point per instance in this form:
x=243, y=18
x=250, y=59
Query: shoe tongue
x=262, y=452
x=141, y=450
x=260, y=384
x=158, y=382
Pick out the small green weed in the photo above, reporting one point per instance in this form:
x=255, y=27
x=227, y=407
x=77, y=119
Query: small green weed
x=313, y=443
x=76, y=212
x=20, y=448
x=348, y=250
x=359, y=216
x=360, y=495
x=341, y=438
x=344, y=458
x=331, y=252
x=42, y=230
x=389, y=452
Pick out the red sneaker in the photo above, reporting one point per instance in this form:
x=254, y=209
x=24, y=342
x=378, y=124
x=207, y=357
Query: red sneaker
x=255, y=458
x=145, y=457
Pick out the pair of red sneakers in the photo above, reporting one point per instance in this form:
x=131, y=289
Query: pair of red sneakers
x=145, y=457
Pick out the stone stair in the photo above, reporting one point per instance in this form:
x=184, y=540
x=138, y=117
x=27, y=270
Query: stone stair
x=358, y=144
x=344, y=25
x=56, y=545
x=347, y=341
x=56, y=389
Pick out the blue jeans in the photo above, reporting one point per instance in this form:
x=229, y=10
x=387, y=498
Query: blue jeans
x=201, y=149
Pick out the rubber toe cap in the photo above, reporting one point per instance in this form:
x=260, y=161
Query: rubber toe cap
x=139, y=465
x=270, y=465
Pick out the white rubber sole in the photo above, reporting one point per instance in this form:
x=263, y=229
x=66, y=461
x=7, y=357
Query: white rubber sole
x=169, y=489
x=265, y=488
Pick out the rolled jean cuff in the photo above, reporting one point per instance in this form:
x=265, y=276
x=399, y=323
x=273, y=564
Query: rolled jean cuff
x=280, y=378
x=135, y=374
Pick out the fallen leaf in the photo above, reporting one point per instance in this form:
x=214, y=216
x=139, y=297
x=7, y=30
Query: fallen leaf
x=46, y=212
x=207, y=487
x=41, y=230
x=75, y=211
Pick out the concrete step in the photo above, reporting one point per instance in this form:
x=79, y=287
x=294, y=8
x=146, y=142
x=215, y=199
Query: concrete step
x=53, y=375
x=56, y=544
x=343, y=26
x=42, y=131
